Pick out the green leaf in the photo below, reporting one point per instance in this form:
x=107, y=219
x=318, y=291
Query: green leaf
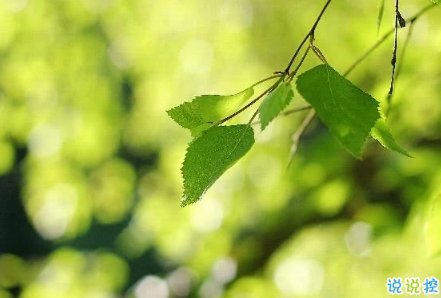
x=210, y=155
x=382, y=134
x=432, y=226
x=215, y=107
x=275, y=103
x=186, y=115
x=196, y=131
x=349, y=113
x=436, y=1
x=199, y=114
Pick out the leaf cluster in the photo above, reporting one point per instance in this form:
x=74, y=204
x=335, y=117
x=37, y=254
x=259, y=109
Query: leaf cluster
x=351, y=115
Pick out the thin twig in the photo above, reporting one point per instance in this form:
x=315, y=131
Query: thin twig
x=399, y=20
x=309, y=35
x=393, y=61
x=367, y=53
x=318, y=53
x=294, y=72
x=287, y=112
x=249, y=104
x=292, y=111
x=274, y=76
x=250, y=122
x=400, y=64
x=296, y=136
x=403, y=51
x=384, y=37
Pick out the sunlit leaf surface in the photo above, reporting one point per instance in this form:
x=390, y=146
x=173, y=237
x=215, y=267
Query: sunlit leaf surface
x=202, y=111
x=210, y=155
x=89, y=159
x=382, y=134
x=348, y=112
x=275, y=103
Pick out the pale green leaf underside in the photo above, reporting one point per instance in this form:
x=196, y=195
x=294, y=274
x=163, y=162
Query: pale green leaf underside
x=348, y=112
x=202, y=111
x=382, y=134
x=275, y=103
x=210, y=155
x=432, y=226
x=215, y=107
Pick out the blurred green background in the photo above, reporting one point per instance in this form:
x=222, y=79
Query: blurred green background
x=90, y=180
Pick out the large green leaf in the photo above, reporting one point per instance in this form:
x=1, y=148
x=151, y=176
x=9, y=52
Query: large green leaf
x=210, y=155
x=382, y=134
x=432, y=225
x=202, y=111
x=275, y=103
x=349, y=113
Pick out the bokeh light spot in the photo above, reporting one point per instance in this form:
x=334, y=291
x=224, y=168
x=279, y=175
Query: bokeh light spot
x=151, y=287
x=299, y=277
x=196, y=57
x=237, y=14
x=358, y=239
x=211, y=289
x=180, y=281
x=16, y=5
x=56, y=211
x=44, y=141
x=224, y=270
x=207, y=215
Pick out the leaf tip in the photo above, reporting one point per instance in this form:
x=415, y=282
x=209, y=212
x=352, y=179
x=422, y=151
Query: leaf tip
x=209, y=155
x=184, y=201
x=382, y=134
x=187, y=200
x=170, y=112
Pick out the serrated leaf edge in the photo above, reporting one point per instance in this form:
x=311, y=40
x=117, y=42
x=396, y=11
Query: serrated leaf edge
x=183, y=202
x=287, y=103
x=368, y=135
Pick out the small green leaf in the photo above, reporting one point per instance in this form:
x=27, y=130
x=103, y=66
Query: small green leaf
x=196, y=131
x=382, y=134
x=215, y=107
x=210, y=155
x=432, y=226
x=275, y=103
x=199, y=114
x=349, y=113
x=186, y=115
x=436, y=1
